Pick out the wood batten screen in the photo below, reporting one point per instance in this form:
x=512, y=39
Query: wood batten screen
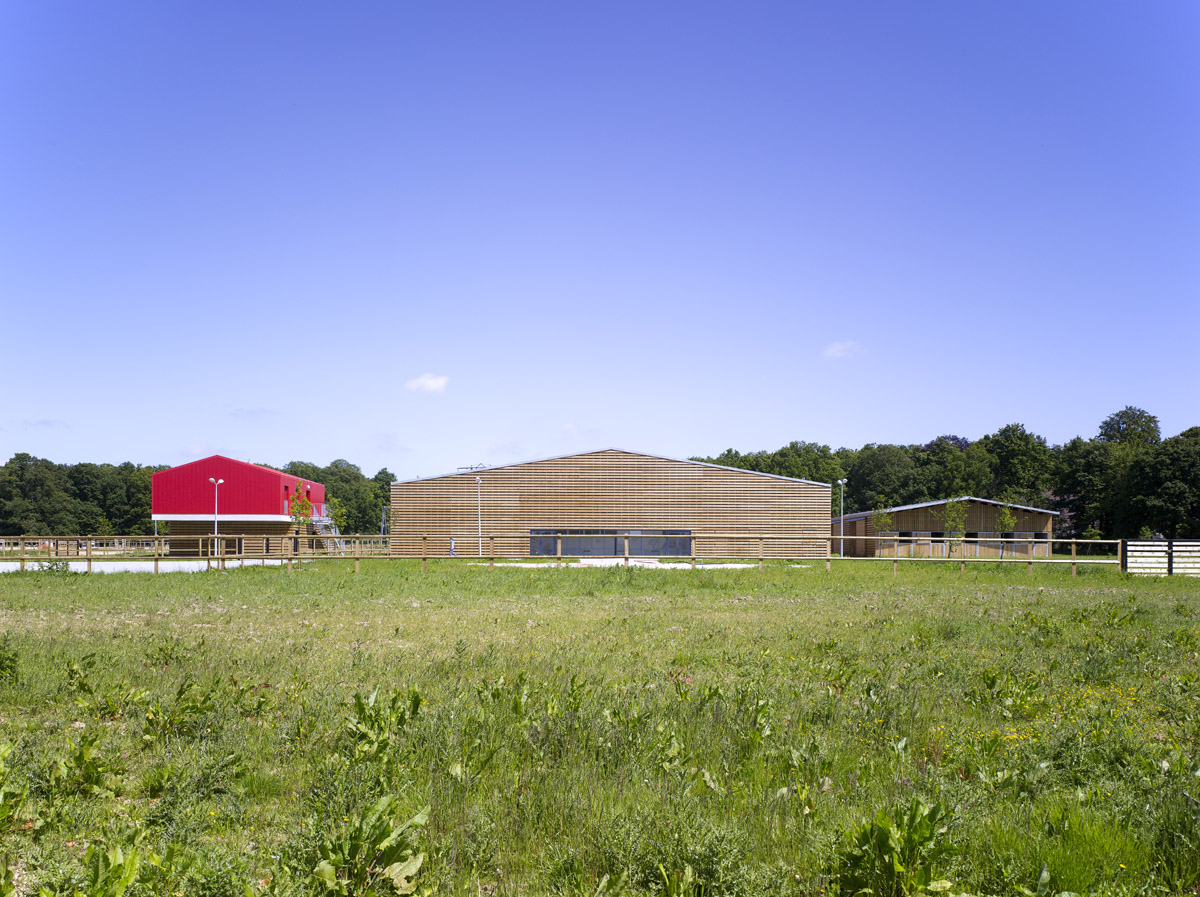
x=194, y=538
x=726, y=510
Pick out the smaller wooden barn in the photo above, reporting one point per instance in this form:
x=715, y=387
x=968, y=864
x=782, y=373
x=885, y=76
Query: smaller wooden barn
x=951, y=527
x=252, y=506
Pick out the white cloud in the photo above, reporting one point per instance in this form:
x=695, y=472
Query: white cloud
x=427, y=383
x=845, y=349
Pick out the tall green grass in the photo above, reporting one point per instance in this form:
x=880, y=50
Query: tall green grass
x=706, y=732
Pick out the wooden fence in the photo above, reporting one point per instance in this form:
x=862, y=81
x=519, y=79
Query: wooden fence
x=214, y=551
x=84, y=552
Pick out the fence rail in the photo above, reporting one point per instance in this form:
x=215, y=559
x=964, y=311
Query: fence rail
x=225, y=549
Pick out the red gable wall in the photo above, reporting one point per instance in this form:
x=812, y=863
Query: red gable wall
x=248, y=489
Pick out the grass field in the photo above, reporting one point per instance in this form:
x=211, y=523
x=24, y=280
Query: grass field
x=587, y=731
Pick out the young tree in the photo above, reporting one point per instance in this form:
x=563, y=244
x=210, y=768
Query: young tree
x=1006, y=522
x=337, y=513
x=882, y=521
x=300, y=508
x=953, y=517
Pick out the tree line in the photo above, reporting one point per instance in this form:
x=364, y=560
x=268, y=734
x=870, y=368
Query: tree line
x=41, y=498
x=1124, y=482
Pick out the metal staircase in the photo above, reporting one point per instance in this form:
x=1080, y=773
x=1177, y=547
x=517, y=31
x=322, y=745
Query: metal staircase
x=328, y=532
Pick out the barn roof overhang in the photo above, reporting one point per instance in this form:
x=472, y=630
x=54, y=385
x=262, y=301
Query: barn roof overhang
x=858, y=515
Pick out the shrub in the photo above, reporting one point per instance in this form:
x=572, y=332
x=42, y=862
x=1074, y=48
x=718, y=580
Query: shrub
x=375, y=854
x=892, y=858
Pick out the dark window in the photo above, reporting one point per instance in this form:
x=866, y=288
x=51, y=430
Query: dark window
x=610, y=543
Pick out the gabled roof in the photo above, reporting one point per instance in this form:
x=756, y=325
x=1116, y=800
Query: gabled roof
x=257, y=467
x=472, y=473
x=857, y=515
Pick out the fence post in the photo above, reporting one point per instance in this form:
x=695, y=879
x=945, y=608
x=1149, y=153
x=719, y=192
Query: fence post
x=1121, y=554
x=760, y=552
x=627, y=549
x=157, y=546
x=357, y=553
x=558, y=549
x=423, y=558
x=21, y=552
x=829, y=551
x=89, y=555
x=1074, y=571
x=491, y=552
x=1031, y=550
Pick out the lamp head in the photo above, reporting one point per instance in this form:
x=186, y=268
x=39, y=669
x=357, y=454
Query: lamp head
x=478, y=480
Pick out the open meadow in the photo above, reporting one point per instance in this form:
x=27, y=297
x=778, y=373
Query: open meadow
x=584, y=731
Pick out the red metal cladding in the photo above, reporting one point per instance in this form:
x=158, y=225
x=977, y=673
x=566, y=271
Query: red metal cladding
x=248, y=489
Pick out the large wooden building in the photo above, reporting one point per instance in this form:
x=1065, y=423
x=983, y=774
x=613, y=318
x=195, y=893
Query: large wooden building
x=928, y=530
x=252, y=505
x=610, y=503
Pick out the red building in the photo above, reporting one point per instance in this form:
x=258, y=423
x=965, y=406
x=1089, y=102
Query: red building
x=243, y=500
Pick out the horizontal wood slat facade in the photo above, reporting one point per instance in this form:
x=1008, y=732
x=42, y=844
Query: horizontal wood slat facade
x=726, y=510
x=258, y=537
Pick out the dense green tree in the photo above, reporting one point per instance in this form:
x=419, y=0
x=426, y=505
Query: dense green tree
x=1023, y=465
x=1130, y=426
x=951, y=467
x=1165, y=493
x=883, y=476
x=36, y=500
x=1081, y=471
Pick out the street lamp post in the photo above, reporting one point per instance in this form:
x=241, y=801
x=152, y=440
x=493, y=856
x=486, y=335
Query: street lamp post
x=479, y=510
x=216, y=494
x=841, y=517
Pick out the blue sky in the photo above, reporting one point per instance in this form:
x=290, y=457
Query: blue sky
x=423, y=236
